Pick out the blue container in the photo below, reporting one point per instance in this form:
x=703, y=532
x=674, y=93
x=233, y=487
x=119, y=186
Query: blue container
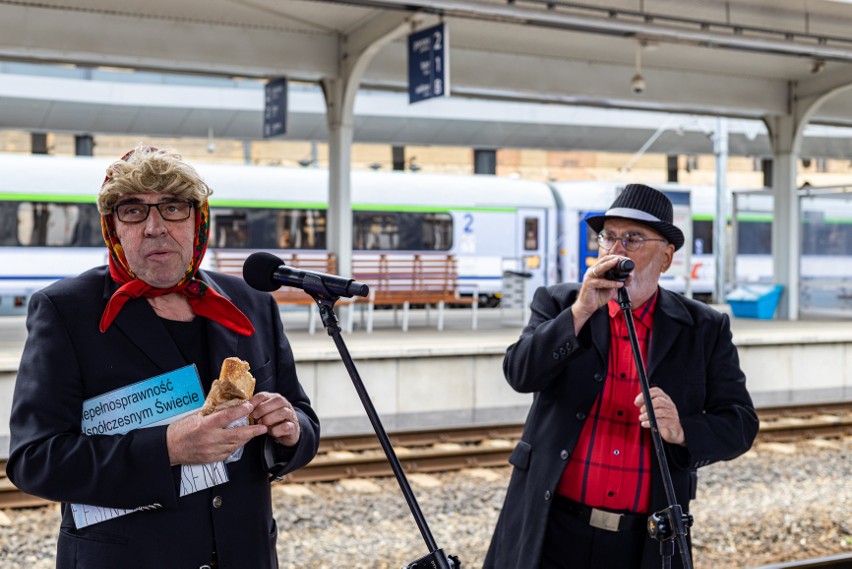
x=755, y=301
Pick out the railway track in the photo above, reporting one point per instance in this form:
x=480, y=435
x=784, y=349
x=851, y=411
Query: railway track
x=843, y=561
x=791, y=424
x=438, y=450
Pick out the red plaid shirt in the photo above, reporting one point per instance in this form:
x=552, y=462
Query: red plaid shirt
x=611, y=465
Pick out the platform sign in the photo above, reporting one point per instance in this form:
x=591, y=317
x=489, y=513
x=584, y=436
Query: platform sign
x=275, y=108
x=428, y=64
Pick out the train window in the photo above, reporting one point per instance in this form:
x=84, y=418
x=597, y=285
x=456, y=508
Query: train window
x=8, y=224
x=530, y=234
x=437, y=230
x=826, y=238
x=87, y=232
x=754, y=237
x=259, y=228
x=402, y=231
x=44, y=224
x=374, y=231
x=301, y=229
x=228, y=229
x=702, y=237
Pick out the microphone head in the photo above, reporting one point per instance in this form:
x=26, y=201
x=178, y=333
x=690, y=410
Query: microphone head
x=259, y=271
x=621, y=271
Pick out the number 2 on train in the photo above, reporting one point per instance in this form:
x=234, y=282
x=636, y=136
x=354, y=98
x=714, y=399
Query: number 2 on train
x=468, y=223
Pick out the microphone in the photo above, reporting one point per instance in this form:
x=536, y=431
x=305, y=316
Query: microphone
x=620, y=271
x=266, y=272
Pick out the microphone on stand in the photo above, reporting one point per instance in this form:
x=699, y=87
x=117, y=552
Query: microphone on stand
x=266, y=272
x=620, y=271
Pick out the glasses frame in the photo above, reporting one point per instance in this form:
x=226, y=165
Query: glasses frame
x=148, y=207
x=631, y=246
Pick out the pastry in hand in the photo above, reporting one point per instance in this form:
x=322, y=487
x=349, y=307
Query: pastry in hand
x=234, y=386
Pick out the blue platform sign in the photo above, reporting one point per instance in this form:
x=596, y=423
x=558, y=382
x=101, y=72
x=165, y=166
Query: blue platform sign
x=428, y=64
x=275, y=108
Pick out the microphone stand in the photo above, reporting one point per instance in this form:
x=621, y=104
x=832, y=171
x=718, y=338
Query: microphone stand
x=671, y=523
x=436, y=558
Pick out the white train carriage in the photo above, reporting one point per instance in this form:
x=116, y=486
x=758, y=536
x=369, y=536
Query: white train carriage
x=51, y=229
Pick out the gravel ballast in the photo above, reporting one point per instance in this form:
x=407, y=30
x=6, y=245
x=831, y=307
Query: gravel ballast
x=779, y=502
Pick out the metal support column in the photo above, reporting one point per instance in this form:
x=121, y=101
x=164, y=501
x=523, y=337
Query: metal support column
x=720, y=227
x=357, y=50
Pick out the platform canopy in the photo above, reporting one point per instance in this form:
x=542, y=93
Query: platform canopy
x=49, y=98
x=785, y=62
x=741, y=58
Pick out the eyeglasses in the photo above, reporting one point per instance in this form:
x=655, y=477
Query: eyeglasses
x=138, y=212
x=630, y=241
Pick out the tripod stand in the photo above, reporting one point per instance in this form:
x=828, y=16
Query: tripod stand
x=436, y=558
x=669, y=524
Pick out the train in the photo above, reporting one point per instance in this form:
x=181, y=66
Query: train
x=496, y=227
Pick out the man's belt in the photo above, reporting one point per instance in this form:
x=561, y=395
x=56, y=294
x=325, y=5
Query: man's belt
x=599, y=518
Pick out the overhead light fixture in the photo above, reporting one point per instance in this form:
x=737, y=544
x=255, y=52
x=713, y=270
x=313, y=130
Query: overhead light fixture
x=637, y=84
x=652, y=45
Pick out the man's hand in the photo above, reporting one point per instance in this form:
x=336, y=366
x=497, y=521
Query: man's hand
x=668, y=421
x=278, y=415
x=596, y=290
x=197, y=439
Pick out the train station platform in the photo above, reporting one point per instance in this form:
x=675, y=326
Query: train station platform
x=452, y=377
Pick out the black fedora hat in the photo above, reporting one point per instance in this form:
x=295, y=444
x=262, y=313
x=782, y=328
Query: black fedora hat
x=647, y=206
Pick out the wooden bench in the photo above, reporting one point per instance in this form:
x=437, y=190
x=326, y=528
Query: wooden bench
x=230, y=261
x=398, y=280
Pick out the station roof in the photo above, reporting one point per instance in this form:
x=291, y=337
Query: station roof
x=741, y=58
x=95, y=101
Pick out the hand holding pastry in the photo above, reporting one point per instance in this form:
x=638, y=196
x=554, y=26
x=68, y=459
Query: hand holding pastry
x=216, y=433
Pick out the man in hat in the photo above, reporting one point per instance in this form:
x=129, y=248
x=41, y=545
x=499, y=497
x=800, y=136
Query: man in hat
x=585, y=476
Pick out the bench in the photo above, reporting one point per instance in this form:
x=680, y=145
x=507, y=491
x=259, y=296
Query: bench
x=230, y=262
x=398, y=280
x=395, y=280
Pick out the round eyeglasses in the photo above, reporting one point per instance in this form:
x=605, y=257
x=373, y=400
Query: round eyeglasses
x=176, y=210
x=630, y=241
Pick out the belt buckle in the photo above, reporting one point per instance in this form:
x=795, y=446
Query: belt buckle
x=604, y=520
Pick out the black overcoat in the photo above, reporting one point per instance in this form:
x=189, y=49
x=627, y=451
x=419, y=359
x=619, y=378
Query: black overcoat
x=67, y=360
x=691, y=357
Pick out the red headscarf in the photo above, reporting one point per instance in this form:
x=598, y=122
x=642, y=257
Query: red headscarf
x=203, y=300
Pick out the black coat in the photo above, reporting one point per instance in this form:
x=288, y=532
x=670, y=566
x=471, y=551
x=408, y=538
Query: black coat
x=67, y=360
x=691, y=358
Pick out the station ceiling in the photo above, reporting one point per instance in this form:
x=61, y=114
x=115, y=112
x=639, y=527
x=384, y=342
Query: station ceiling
x=48, y=99
x=740, y=58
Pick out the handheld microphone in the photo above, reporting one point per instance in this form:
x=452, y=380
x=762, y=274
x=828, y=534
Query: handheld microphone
x=266, y=272
x=620, y=271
